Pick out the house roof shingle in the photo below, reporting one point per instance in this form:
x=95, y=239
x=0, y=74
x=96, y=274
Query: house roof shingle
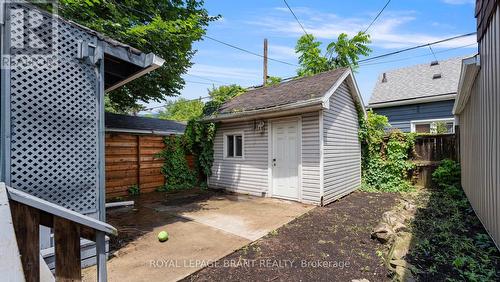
x=297, y=90
x=125, y=122
x=417, y=82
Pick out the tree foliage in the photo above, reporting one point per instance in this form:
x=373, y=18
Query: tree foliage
x=220, y=95
x=273, y=80
x=310, y=59
x=167, y=28
x=182, y=110
x=344, y=52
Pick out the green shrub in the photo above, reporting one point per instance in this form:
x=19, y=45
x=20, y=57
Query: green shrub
x=134, y=190
x=447, y=177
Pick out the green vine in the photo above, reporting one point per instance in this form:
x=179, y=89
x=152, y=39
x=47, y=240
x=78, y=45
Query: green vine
x=199, y=142
x=385, y=159
x=175, y=168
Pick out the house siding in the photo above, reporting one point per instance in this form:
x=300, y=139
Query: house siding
x=480, y=134
x=341, y=146
x=310, y=158
x=401, y=116
x=250, y=175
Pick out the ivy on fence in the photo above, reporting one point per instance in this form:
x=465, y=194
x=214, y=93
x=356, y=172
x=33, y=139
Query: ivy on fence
x=385, y=159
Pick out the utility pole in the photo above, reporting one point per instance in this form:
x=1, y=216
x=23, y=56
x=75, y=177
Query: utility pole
x=265, y=62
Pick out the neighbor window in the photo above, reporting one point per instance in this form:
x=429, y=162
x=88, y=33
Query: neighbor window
x=438, y=126
x=234, y=145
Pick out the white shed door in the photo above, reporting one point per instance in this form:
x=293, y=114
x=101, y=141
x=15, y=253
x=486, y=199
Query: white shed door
x=285, y=159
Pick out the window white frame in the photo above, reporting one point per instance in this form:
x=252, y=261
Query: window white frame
x=413, y=123
x=224, y=144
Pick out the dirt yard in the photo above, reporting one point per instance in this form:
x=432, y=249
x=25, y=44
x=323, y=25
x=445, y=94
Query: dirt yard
x=329, y=243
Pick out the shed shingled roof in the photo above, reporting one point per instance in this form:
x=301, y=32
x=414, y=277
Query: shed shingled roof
x=417, y=82
x=117, y=121
x=288, y=92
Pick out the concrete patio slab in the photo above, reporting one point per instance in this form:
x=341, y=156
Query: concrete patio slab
x=191, y=246
x=201, y=232
x=242, y=215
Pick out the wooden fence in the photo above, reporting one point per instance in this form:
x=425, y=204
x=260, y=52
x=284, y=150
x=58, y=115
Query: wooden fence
x=130, y=160
x=430, y=150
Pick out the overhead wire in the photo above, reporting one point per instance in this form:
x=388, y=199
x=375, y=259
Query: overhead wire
x=417, y=56
x=416, y=47
x=296, y=18
x=378, y=15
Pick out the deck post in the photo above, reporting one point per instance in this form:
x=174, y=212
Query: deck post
x=67, y=249
x=100, y=240
x=26, y=222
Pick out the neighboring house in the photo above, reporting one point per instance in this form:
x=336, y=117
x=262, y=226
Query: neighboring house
x=52, y=116
x=297, y=140
x=418, y=98
x=142, y=125
x=478, y=110
x=132, y=144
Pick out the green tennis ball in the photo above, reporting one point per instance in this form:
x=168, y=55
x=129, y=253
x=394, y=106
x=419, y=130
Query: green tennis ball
x=163, y=236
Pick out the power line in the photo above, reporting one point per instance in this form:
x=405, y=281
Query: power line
x=200, y=82
x=248, y=51
x=296, y=18
x=208, y=79
x=378, y=15
x=416, y=47
x=418, y=56
x=184, y=101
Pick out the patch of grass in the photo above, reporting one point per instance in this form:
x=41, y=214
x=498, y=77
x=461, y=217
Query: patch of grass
x=450, y=242
x=273, y=232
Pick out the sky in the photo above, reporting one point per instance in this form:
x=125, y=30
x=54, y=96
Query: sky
x=245, y=24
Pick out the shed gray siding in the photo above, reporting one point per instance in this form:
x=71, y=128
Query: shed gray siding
x=341, y=146
x=250, y=175
x=480, y=134
x=310, y=158
x=401, y=116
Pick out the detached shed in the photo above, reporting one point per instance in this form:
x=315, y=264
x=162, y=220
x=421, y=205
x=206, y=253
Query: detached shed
x=132, y=144
x=297, y=140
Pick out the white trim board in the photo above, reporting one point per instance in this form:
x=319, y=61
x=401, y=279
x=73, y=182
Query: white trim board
x=224, y=144
x=425, y=121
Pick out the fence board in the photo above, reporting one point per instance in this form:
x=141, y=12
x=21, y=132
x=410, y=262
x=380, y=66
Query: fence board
x=429, y=151
x=131, y=160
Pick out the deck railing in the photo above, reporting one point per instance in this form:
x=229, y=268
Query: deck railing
x=22, y=214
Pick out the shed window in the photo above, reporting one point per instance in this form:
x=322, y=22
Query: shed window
x=234, y=145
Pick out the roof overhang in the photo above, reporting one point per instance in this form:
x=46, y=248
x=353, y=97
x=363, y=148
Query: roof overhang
x=434, y=98
x=122, y=63
x=284, y=110
x=306, y=106
x=470, y=69
x=144, y=131
x=122, y=66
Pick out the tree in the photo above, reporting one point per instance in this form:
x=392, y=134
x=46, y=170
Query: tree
x=310, y=59
x=220, y=95
x=165, y=27
x=273, y=80
x=344, y=52
x=182, y=110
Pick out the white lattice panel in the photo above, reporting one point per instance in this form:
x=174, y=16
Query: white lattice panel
x=54, y=128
